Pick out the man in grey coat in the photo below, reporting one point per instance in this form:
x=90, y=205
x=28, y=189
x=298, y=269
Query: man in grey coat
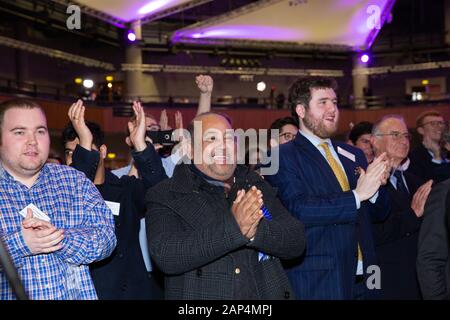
x=216, y=229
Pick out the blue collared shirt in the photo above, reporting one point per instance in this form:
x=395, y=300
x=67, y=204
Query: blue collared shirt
x=73, y=204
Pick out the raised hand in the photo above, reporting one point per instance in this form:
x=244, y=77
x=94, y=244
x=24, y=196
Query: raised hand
x=420, y=198
x=369, y=182
x=41, y=236
x=178, y=120
x=76, y=116
x=247, y=211
x=137, y=129
x=205, y=84
x=164, y=120
x=387, y=171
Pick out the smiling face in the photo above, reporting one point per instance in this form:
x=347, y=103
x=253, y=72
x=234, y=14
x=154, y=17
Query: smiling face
x=396, y=148
x=322, y=115
x=218, y=148
x=432, y=128
x=25, y=142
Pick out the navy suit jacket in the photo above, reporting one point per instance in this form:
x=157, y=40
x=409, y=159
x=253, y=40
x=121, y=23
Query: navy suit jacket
x=309, y=189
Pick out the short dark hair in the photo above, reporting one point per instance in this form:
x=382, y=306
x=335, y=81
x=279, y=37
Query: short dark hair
x=363, y=127
x=280, y=123
x=69, y=134
x=16, y=103
x=300, y=91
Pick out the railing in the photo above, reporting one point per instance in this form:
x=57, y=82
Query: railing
x=123, y=106
x=32, y=89
x=380, y=102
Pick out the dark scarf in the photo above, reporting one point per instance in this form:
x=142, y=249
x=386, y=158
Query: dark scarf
x=225, y=184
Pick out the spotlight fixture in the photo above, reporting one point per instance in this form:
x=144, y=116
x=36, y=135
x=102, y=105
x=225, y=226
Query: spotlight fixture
x=131, y=36
x=364, y=58
x=88, y=83
x=261, y=86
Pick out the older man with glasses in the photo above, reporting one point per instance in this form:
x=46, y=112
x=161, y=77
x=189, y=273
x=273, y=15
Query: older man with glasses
x=396, y=237
x=427, y=160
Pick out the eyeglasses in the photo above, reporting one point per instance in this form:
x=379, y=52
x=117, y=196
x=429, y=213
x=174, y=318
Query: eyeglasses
x=288, y=136
x=396, y=135
x=435, y=123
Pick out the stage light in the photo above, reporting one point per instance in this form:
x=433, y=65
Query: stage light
x=261, y=86
x=425, y=82
x=109, y=78
x=365, y=58
x=131, y=36
x=78, y=80
x=88, y=83
x=109, y=85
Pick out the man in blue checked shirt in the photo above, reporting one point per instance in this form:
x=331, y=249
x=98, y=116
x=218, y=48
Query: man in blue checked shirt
x=52, y=218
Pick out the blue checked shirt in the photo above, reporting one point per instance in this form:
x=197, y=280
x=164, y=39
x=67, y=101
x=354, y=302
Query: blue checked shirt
x=73, y=203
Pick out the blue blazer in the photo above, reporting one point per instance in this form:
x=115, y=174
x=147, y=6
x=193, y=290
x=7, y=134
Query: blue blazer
x=311, y=192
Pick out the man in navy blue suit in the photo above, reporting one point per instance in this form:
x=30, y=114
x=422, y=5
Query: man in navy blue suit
x=328, y=186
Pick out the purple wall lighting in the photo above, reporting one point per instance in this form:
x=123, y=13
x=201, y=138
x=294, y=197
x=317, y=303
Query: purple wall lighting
x=244, y=32
x=153, y=6
x=352, y=24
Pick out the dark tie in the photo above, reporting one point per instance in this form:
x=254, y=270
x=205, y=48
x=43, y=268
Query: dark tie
x=401, y=187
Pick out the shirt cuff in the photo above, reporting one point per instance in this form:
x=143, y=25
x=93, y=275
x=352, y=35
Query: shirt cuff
x=374, y=198
x=17, y=247
x=358, y=202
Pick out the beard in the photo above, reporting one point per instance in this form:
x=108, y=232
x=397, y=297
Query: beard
x=318, y=126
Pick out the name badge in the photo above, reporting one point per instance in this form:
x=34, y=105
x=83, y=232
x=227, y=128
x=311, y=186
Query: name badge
x=37, y=213
x=346, y=154
x=114, y=207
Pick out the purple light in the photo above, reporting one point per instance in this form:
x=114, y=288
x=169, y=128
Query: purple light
x=131, y=36
x=365, y=58
x=153, y=6
x=243, y=32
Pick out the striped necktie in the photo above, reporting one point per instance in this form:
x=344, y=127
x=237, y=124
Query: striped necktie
x=341, y=177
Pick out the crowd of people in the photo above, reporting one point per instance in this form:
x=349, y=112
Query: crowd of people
x=362, y=219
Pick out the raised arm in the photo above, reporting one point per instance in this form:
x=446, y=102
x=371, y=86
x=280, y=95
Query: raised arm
x=205, y=85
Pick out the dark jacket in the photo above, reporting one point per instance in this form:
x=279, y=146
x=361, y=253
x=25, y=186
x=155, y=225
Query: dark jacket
x=433, y=260
x=422, y=165
x=396, y=244
x=197, y=243
x=123, y=274
x=310, y=190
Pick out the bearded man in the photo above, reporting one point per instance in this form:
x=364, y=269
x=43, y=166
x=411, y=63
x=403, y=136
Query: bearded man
x=328, y=186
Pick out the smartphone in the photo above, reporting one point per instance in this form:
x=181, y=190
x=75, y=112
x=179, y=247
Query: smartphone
x=161, y=137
